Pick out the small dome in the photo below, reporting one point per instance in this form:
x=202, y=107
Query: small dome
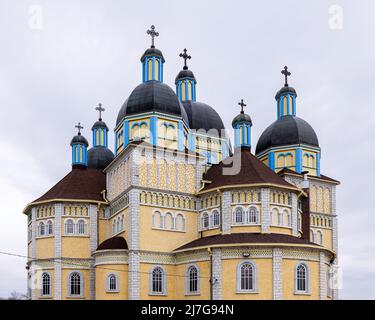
x=242, y=117
x=185, y=73
x=79, y=139
x=152, y=52
x=99, y=124
x=285, y=89
x=202, y=116
x=152, y=96
x=99, y=157
x=288, y=130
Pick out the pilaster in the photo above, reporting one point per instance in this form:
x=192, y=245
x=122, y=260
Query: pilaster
x=265, y=200
x=59, y=209
x=216, y=275
x=226, y=200
x=277, y=260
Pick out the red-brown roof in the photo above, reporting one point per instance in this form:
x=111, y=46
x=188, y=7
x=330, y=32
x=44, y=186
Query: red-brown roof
x=78, y=184
x=238, y=238
x=251, y=171
x=113, y=243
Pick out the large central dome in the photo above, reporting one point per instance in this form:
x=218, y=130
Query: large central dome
x=152, y=96
x=288, y=130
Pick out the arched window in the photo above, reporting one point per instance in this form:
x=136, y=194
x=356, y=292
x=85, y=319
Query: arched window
x=279, y=218
x=157, y=221
x=246, y=277
x=180, y=222
x=302, y=285
x=81, y=227
x=49, y=228
x=41, y=229
x=252, y=215
x=122, y=223
x=192, y=281
x=114, y=226
x=319, y=237
x=69, y=226
x=287, y=218
x=75, y=284
x=205, y=220
x=238, y=215
x=112, y=283
x=168, y=221
x=46, y=284
x=216, y=218
x=157, y=280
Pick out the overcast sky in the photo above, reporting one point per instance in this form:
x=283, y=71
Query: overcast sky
x=55, y=68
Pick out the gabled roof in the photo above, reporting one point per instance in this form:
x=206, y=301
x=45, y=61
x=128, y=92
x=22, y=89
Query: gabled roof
x=78, y=184
x=251, y=171
x=286, y=171
x=245, y=238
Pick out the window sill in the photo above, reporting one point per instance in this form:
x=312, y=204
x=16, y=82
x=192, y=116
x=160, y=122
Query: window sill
x=75, y=297
x=302, y=293
x=157, y=294
x=171, y=230
x=45, y=297
x=112, y=291
x=44, y=237
x=192, y=294
x=76, y=235
x=246, y=225
x=247, y=292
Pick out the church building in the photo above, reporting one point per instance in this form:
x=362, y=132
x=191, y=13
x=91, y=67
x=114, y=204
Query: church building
x=176, y=211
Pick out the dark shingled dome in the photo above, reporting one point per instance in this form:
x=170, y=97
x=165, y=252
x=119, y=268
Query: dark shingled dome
x=185, y=73
x=284, y=90
x=287, y=130
x=242, y=117
x=114, y=243
x=99, y=124
x=79, y=139
x=99, y=157
x=202, y=116
x=152, y=52
x=152, y=96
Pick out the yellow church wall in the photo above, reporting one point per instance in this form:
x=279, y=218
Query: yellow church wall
x=101, y=273
x=285, y=158
x=265, y=280
x=162, y=239
x=288, y=279
x=102, y=230
x=212, y=232
x=241, y=229
x=282, y=230
x=75, y=247
x=45, y=247
x=86, y=284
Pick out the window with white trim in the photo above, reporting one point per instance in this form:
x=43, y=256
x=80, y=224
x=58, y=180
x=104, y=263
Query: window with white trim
x=252, y=215
x=46, y=284
x=41, y=228
x=192, y=280
x=49, y=227
x=246, y=277
x=157, y=281
x=215, y=218
x=301, y=278
x=81, y=226
x=238, y=215
x=112, y=283
x=69, y=226
x=205, y=220
x=75, y=284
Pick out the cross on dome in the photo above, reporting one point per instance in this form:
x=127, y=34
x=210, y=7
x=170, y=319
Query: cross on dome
x=100, y=109
x=79, y=127
x=286, y=74
x=242, y=104
x=153, y=34
x=185, y=56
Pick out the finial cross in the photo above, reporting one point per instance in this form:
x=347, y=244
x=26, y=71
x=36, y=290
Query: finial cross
x=242, y=104
x=153, y=34
x=185, y=56
x=100, y=109
x=79, y=127
x=286, y=74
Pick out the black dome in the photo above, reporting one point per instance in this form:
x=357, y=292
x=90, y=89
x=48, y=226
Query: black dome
x=285, y=89
x=152, y=52
x=185, y=73
x=99, y=124
x=152, y=96
x=242, y=117
x=287, y=130
x=79, y=139
x=202, y=116
x=99, y=157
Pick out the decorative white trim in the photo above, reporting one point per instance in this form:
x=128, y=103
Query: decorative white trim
x=254, y=277
x=82, y=285
x=163, y=279
x=117, y=279
x=187, y=281
x=41, y=295
x=307, y=291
